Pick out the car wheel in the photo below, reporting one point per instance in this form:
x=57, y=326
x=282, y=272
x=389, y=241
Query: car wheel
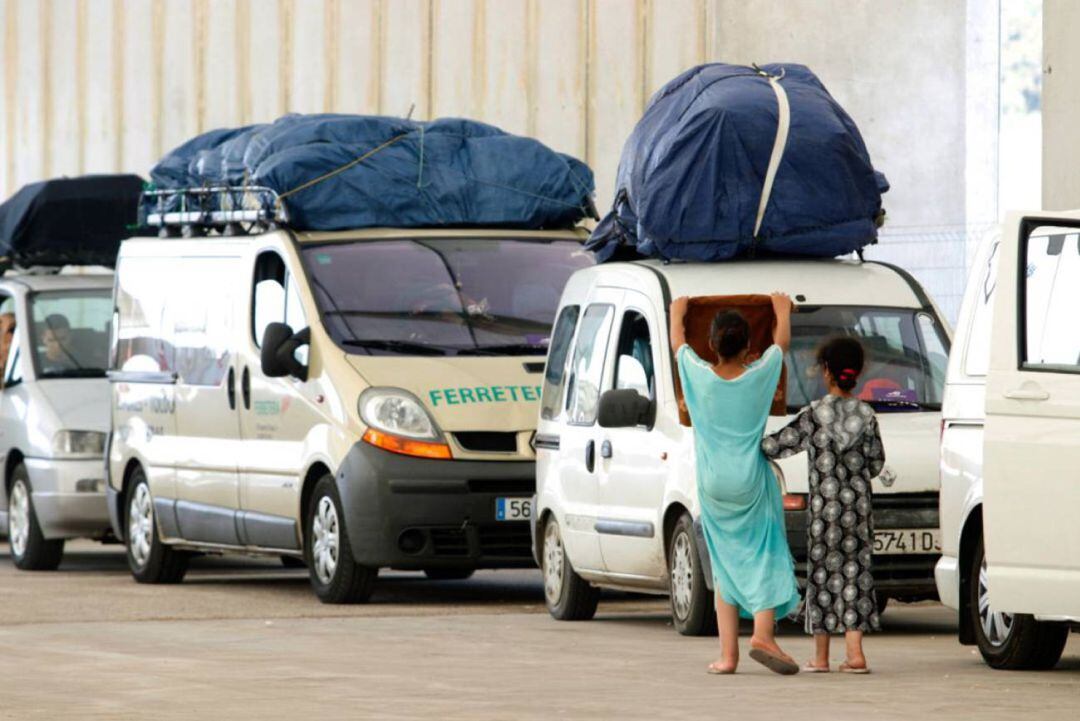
x=1010, y=641
x=568, y=596
x=335, y=576
x=448, y=574
x=293, y=562
x=30, y=551
x=150, y=560
x=692, y=608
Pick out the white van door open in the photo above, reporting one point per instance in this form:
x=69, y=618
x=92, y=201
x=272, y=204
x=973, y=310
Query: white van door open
x=1032, y=452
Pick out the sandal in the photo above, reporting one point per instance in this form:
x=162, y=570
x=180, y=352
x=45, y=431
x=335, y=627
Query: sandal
x=811, y=668
x=714, y=668
x=774, y=662
x=845, y=667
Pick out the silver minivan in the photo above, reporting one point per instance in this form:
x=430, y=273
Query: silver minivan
x=54, y=412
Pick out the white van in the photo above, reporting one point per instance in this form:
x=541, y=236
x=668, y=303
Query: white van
x=353, y=400
x=1009, y=451
x=54, y=412
x=616, y=488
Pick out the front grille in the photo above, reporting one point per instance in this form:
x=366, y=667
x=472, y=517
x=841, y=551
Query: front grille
x=449, y=542
x=487, y=441
x=510, y=539
x=509, y=486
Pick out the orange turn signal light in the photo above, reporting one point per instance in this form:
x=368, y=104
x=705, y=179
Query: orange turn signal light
x=794, y=502
x=407, y=446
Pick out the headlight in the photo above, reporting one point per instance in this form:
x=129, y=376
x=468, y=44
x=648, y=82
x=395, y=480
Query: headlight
x=396, y=411
x=78, y=443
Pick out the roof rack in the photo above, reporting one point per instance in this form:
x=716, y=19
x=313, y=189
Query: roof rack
x=190, y=212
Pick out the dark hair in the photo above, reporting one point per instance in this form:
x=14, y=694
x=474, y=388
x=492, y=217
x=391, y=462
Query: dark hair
x=843, y=357
x=729, y=334
x=57, y=321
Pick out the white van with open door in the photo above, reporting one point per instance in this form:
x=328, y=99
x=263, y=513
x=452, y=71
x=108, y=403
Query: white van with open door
x=1027, y=561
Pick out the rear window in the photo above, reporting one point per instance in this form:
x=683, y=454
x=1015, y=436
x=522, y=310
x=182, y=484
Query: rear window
x=445, y=296
x=906, y=355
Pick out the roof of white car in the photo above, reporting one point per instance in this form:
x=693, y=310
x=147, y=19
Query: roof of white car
x=98, y=278
x=813, y=282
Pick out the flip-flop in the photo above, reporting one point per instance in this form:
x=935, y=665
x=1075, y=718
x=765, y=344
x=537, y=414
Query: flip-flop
x=811, y=668
x=845, y=668
x=712, y=668
x=773, y=662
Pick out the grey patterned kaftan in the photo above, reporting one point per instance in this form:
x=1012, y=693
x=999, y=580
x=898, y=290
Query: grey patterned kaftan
x=841, y=438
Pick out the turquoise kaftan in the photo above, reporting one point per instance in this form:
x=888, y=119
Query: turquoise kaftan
x=741, y=505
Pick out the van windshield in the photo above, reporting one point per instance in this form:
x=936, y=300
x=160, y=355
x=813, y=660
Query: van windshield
x=906, y=355
x=70, y=333
x=442, y=296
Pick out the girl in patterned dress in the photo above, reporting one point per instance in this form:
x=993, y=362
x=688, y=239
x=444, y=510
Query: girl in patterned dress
x=840, y=435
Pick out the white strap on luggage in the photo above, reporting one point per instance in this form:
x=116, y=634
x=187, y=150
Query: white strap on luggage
x=783, y=122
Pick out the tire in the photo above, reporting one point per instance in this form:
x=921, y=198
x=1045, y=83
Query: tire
x=335, y=576
x=568, y=596
x=1016, y=642
x=449, y=574
x=150, y=560
x=30, y=551
x=692, y=608
x=293, y=562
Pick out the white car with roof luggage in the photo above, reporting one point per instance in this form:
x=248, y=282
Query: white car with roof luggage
x=616, y=493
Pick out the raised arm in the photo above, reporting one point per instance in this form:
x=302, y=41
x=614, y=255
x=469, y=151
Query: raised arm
x=676, y=319
x=782, y=305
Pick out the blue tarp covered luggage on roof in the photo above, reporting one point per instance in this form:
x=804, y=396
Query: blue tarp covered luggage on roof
x=692, y=172
x=336, y=172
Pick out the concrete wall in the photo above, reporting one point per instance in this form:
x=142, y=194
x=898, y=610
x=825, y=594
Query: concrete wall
x=1061, y=105
x=105, y=85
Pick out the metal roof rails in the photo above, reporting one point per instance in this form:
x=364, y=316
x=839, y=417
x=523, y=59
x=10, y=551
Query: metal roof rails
x=197, y=211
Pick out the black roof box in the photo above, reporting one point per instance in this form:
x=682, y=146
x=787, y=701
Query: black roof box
x=69, y=221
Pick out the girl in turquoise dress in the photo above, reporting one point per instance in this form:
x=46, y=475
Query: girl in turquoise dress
x=740, y=500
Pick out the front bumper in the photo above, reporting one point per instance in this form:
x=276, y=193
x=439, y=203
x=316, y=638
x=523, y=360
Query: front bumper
x=417, y=513
x=904, y=576
x=69, y=497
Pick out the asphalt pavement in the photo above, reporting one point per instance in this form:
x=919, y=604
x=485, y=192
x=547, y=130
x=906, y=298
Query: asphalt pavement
x=244, y=638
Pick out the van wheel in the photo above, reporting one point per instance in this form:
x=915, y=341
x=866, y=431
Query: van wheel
x=1010, y=641
x=29, y=549
x=150, y=560
x=449, y=574
x=568, y=596
x=692, y=608
x=335, y=576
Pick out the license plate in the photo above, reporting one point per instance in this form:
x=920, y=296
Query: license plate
x=907, y=540
x=513, y=509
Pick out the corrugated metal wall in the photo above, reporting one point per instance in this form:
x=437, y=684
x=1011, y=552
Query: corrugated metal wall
x=106, y=85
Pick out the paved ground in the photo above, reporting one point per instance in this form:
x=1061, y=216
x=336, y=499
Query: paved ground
x=248, y=640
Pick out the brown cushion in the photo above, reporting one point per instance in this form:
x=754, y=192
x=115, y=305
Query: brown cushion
x=758, y=311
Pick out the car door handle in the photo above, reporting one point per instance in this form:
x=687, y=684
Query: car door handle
x=590, y=456
x=605, y=449
x=230, y=389
x=245, y=387
x=1027, y=394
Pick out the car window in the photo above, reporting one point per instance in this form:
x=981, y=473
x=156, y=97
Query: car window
x=70, y=332
x=276, y=300
x=555, y=371
x=634, y=368
x=1051, y=297
x=203, y=326
x=587, y=365
x=144, y=342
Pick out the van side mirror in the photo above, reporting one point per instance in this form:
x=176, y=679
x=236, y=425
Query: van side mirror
x=279, y=346
x=625, y=408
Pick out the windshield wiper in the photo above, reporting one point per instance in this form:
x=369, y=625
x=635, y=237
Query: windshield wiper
x=403, y=346
x=886, y=405
x=507, y=349
x=74, y=373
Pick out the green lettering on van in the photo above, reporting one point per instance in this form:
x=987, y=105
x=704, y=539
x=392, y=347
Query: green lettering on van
x=323, y=258
x=467, y=395
x=267, y=408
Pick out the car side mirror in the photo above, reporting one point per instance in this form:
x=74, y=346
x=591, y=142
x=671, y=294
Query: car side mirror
x=625, y=408
x=279, y=344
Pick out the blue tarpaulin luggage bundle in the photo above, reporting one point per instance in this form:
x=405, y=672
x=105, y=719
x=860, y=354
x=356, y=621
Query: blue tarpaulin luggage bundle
x=732, y=161
x=335, y=172
x=78, y=221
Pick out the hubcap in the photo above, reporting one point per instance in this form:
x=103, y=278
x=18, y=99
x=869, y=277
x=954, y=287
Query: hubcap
x=682, y=576
x=325, y=531
x=19, y=518
x=996, y=625
x=140, y=525
x=553, y=564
